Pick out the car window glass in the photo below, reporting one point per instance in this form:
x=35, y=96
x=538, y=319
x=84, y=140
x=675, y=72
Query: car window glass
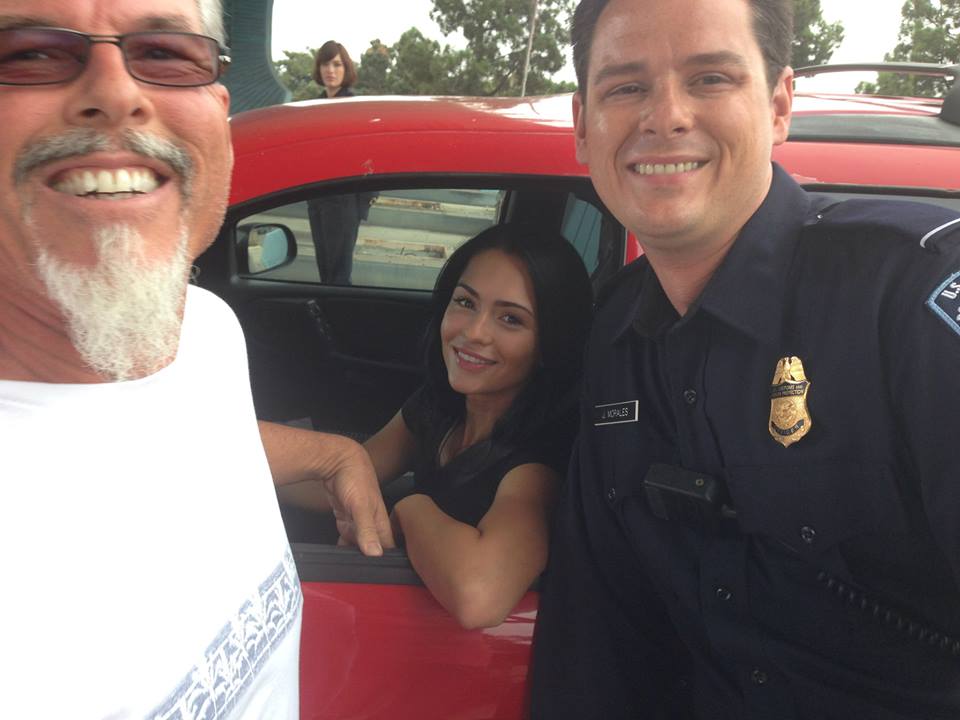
x=391, y=238
x=581, y=226
x=399, y=238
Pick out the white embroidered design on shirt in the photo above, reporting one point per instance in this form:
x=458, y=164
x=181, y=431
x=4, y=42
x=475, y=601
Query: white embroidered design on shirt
x=231, y=662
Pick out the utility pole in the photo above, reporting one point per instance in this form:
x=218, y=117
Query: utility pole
x=533, y=31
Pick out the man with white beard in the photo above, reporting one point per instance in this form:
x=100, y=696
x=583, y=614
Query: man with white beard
x=145, y=566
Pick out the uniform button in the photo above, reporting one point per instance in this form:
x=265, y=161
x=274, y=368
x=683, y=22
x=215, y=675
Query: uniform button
x=758, y=677
x=808, y=534
x=723, y=593
x=690, y=397
x=612, y=494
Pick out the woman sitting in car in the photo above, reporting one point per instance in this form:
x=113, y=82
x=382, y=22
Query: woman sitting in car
x=488, y=435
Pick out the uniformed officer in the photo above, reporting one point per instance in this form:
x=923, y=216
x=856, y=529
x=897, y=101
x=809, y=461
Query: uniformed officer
x=763, y=513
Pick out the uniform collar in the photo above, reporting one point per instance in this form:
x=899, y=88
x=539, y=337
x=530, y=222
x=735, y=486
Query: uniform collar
x=747, y=289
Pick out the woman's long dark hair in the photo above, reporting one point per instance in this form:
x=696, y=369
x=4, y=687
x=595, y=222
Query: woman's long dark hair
x=564, y=304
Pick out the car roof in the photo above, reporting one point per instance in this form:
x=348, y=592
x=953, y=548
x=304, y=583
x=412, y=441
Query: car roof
x=835, y=139
x=872, y=118
x=415, y=113
x=865, y=140
x=308, y=142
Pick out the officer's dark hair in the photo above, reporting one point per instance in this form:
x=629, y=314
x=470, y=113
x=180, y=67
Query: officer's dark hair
x=772, y=27
x=327, y=52
x=563, y=305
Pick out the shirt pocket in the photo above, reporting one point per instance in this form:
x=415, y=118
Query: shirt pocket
x=815, y=508
x=626, y=455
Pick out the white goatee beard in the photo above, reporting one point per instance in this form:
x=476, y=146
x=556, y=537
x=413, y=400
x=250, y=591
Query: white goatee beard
x=124, y=313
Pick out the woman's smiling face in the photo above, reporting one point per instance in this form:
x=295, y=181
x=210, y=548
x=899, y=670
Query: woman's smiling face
x=489, y=330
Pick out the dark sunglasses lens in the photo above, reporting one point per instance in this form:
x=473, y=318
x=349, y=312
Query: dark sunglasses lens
x=178, y=59
x=37, y=57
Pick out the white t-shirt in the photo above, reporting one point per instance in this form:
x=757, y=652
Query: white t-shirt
x=146, y=573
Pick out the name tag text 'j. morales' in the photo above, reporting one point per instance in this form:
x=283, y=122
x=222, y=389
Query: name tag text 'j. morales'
x=615, y=413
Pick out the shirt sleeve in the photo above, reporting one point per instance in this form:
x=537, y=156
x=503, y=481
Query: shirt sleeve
x=921, y=330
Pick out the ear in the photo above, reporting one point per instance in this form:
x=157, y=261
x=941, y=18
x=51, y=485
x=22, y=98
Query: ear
x=580, y=127
x=220, y=95
x=782, y=106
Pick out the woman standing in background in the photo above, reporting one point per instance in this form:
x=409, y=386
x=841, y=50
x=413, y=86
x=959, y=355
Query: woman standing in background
x=335, y=219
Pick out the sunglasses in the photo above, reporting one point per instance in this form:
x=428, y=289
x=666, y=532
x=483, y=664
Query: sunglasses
x=47, y=56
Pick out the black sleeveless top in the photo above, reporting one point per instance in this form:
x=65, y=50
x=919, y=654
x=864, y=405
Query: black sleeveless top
x=465, y=487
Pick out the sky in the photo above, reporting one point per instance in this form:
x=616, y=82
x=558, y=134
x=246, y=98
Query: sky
x=299, y=24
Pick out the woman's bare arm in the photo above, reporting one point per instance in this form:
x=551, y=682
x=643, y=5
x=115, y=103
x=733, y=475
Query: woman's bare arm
x=480, y=573
x=391, y=449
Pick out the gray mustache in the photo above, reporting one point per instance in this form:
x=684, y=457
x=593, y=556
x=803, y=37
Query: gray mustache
x=82, y=141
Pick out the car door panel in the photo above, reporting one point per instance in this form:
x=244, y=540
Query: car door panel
x=377, y=646
x=343, y=358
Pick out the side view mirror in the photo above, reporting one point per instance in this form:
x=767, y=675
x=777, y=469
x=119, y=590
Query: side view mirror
x=262, y=247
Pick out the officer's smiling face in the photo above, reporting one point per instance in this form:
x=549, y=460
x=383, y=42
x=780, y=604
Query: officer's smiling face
x=679, y=120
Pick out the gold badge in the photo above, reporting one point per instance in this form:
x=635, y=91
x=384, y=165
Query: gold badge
x=789, y=417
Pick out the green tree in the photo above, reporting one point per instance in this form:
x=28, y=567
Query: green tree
x=929, y=33
x=814, y=39
x=497, y=32
x=295, y=71
x=414, y=65
x=373, y=68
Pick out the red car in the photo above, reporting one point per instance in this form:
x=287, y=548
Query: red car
x=395, y=184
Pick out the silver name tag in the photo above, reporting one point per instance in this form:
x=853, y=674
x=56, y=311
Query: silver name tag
x=616, y=413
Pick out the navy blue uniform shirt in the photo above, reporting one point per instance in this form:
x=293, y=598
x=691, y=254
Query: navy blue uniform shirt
x=834, y=591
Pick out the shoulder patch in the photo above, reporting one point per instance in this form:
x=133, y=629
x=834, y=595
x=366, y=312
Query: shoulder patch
x=945, y=302
x=924, y=223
